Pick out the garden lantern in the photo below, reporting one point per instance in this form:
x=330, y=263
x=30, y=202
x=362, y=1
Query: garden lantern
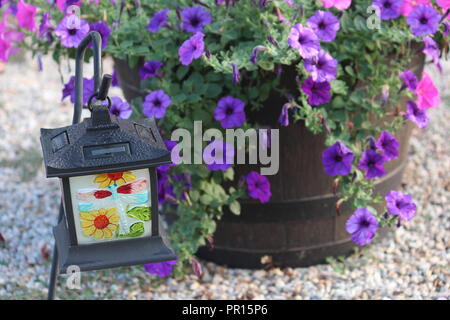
x=108, y=178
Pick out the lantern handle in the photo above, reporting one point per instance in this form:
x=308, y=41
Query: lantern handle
x=96, y=40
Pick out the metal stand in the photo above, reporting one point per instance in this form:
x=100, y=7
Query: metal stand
x=96, y=39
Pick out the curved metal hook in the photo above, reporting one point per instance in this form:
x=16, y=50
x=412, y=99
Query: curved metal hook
x=96, y=39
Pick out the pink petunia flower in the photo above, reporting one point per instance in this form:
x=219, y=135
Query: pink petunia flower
x=409, y=5
x=427, y=93
x=25, y=15
x=8, y=37
x=444, y=4
x=338, y=4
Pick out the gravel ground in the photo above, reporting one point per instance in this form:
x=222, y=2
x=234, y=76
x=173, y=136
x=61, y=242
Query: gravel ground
x=413, y=264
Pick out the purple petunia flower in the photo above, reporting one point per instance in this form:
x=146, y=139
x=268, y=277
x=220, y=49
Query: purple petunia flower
x=337, y=159
x=158, y=20
x=255, y=51
x=401, y=205
x=389, y=9
x=218, y=155
x=325, y=25
x=419, y=116
x=156, y=104
x=317, y=92
x=161, y=269
x=45, y=28
x=68, y=89
x=284, y=116
x=322, y=67
x=258, y=187
x=72, y=30
x=423, y=19
x=102, y=28
x=236, y=74
x=192, y=48
x=388, y=144
x=115, y=80
x=150, y=69
x=372, y=163
x=431, y=49
x=409, y=80
x=304, y=40
x=230, y=112
x=121, y=109
x=194, y=19
x=362, y=226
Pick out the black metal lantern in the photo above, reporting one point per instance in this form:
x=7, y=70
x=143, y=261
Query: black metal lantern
x=108, y=177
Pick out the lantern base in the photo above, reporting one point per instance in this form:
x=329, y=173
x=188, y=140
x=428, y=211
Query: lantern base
x=109, y=254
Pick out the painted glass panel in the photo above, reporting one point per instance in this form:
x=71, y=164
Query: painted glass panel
x=111, y=206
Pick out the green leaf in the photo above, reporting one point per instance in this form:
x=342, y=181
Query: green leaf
x=140, y=213
x=136, y=230
x=235, y=207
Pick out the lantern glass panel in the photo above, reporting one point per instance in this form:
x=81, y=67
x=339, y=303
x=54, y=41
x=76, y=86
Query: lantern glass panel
x=111, y=206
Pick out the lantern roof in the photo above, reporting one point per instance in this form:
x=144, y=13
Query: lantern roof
x=102, y=143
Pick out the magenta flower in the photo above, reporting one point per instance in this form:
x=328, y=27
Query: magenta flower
x=409, y=80
x=388, y=144
x=401, y=205
x=416, y=115
x=338, y=4
x=218, y=155
x=423, y=19
x=121, y=109
x=194, y=19
x=317, y=92
x=431, y=49
x=325, y=25
x=337, y=159
x=389, y=9
x=372, y=163
x=72, y=31
x=304, y=40
x=5, y=49
x=427, y=93
x=322, y=67
x=102, y=28
x=444, y=4
x=362, y=226
x=150, y=69
x=258, y=187
x=8, y=39
x=161, y=269
x=158, y=20
x=230, y=112
x=25, y=15
x=192, y=48
x=156, y=104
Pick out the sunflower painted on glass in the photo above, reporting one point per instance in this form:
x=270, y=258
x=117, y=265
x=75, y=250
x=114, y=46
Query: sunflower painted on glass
x=117, y=178
x=100, y=223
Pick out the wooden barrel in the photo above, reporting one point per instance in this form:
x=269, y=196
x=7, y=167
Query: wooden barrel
x=299, y=226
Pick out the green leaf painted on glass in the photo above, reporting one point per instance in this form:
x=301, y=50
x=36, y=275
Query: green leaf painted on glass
x=136, y=230
x=140, y=213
